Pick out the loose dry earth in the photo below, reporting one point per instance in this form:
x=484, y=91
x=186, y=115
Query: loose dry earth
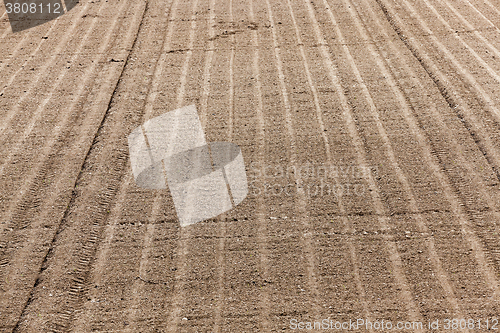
x=390, y=109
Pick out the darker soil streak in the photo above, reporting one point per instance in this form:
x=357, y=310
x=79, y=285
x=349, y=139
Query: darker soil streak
x=63, y=221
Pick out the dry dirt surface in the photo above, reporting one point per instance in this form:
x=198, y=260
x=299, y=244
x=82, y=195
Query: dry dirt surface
x=370, y=131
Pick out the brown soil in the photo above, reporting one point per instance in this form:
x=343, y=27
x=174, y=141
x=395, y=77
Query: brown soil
x=389, y=108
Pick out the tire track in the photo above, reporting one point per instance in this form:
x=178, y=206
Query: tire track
x=183, y=249
x=455, y=146
x=91, y=238
x=29, y=180
x=37, y=116
x=37, y=173
x=151, y=227
x=28, y=192
x=83, y=324
x=436, y=161
x=152, y=93
x=99, y=212
x=106, y=267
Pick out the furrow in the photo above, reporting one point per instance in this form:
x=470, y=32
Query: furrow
x=47, y=149
x=43, y=72
x=221, y=265
x=27, y=196
x=130, y=88
x=347, y=226
x=96, y=214
x=301, y=209
x=493, y=49
x=262, y=229
x=457, y=207
x=475, y=125
x=413, y=206
x=177, y=301
x=394, y=256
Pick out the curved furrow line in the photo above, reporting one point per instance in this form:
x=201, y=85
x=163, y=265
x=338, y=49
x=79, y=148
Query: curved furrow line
x=454, y=101
x=463, y=71
x=416, y=124
x=388, y=146
x=208, y=64
x=348, y=228
x=43, y=153
x=378, y=205
x=476, y=33
x=22, y=197
x=144, y=265
x=405, y=105
x=62, y=320
x=109, y=182
x=262, y=231
x=470, y=26
x=454, y=98
x=489, y=241
x=147, y=241
x=43, y=73
x=223, y=228
x=85, y=321
x=450, y=195
x=302, y=211
x=465, y=74
x=28, y=181
x=221, y=264
x=17, y=145
x=14, y=53
x=177, y=301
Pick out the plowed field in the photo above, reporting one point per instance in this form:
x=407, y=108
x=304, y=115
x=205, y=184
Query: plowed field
x=370, y=131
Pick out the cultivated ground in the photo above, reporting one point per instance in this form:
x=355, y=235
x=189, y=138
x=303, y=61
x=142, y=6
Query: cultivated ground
x=390, y=110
